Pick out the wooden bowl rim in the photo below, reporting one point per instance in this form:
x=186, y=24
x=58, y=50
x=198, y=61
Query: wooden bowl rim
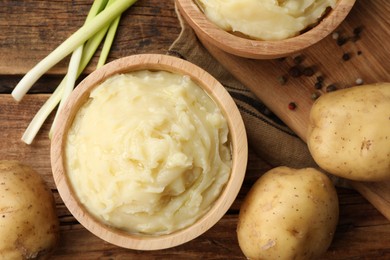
x=258, y=49
x=238, y=141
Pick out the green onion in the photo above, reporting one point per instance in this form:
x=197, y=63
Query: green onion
x=79, y=60
x=40, y=117
x=108, y=42
x=70, y=79
x=42, y=114
x=68, y=46
x=74, y=63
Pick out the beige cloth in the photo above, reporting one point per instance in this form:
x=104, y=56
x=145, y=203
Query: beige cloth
x=273, y=141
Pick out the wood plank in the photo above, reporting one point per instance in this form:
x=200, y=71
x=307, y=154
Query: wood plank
x=14, y=118
x=37, y=28
x=362, y=231
x=368, y=63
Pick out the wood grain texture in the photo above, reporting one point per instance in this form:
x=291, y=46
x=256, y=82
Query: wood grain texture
x=31, y=29
x=362, y=233
x=326, y=59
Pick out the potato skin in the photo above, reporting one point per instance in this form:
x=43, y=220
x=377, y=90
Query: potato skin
x=288, y=214
x=29, y=226
x=349, y=132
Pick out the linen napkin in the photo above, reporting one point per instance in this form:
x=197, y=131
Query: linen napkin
x=268, y=136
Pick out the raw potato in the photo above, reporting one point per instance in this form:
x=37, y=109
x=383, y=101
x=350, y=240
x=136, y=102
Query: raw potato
x=349, y=132
x=29, y=227
x=288, y=214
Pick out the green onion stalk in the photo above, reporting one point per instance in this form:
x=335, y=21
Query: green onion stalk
x=102, y=20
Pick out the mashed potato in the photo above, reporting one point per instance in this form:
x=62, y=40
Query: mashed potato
x=265, y=19
x=149, y=152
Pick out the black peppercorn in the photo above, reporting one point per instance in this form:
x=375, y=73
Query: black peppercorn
x=356, y=33
x=298, y=59
x=331, y=87
x=295, y=71
x=341, y=41
x=308, y=71
x=320, y=78
x=358, y=30
x=346, y=56
x=318, y=85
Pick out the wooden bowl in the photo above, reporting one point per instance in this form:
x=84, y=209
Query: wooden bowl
x=238, y=144
x=258, y=49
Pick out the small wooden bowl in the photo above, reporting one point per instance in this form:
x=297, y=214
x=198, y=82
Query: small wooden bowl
x=258, y=49
x=238, y=144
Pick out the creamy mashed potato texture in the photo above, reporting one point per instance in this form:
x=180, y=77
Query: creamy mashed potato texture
x=149, y=152
x=265, y=19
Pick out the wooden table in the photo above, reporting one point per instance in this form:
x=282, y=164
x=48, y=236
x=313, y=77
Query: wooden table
x=29, y=30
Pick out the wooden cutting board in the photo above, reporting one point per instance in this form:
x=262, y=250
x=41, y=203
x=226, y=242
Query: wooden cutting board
x=369, y=60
